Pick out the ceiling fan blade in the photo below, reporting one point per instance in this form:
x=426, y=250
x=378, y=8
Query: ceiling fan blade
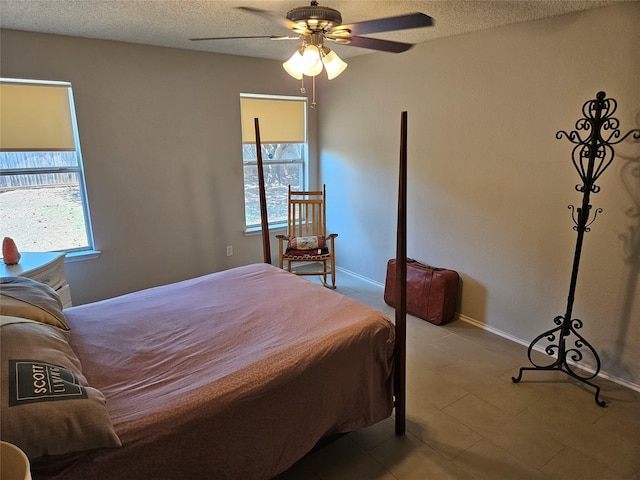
x=272, y=16
x=272, y=37
x=375, y=44
x=401, y=22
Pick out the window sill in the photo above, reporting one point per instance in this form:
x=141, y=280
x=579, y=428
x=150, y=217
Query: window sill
x=82, y=255
x=278, y=227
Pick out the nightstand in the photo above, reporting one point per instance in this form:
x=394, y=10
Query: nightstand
x=45, y=267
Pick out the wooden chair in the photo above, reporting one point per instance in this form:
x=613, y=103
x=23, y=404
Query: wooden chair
x=306, y=240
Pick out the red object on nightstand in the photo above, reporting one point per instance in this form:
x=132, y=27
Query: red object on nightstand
x=10, y=253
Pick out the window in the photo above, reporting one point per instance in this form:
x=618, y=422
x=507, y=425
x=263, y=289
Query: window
x=43, y=202
x=284, y=154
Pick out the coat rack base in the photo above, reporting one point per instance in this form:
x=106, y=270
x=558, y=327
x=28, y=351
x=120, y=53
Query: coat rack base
x=565, y=360
x=558, y=366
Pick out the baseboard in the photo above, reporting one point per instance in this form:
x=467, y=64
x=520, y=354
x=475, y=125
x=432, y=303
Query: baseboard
x=360, y=277
x=500, y=333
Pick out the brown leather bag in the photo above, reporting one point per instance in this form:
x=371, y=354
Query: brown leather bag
x=431, y=292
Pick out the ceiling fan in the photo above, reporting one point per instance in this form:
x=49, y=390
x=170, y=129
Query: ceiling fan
x=315, y=24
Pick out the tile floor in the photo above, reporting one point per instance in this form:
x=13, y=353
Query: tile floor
x=466, y=419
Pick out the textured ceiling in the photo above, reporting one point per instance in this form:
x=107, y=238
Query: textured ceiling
x=170, y=23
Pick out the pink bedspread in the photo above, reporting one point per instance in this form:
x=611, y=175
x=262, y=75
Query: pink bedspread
x=236, y=374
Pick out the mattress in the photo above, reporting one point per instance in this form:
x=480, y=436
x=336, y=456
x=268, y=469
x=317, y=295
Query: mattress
x=236, y=374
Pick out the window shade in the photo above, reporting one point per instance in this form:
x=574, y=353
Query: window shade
x=35, y=118
x=281, y=121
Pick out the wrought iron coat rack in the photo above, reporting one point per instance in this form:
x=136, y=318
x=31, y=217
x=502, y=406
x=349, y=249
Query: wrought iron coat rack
x=591, y=156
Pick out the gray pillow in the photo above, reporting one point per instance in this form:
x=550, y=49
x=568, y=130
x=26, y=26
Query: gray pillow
x=47, y=406
x=26, y=298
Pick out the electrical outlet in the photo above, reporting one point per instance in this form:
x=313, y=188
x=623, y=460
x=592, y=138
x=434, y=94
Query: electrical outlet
x=229, y=250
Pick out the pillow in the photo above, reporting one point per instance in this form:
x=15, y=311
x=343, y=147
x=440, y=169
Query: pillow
x=47, y=406
x=26, y=298
x=307, y=243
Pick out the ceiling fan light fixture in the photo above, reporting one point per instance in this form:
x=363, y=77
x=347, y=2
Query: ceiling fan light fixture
x=315, y=25
x=294, y=66
x=311, y=61
x=333, y=64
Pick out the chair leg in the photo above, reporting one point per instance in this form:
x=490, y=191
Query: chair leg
x=281, y=251
x=333, y=272
x=324, y=272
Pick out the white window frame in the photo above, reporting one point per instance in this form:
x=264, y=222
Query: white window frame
x=303, y=162
x=77, y=170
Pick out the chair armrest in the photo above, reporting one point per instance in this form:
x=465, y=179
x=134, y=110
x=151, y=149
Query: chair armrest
x=281, y=239
x=331, y=238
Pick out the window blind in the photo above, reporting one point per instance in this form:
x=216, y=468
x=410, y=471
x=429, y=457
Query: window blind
x=281, y=121
x=35, y=118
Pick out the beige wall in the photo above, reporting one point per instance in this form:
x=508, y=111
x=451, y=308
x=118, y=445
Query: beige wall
x=161, y=141
x=489, y=184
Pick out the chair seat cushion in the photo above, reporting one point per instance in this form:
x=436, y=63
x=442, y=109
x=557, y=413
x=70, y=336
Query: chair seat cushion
x=296, y=253
x=314, y=242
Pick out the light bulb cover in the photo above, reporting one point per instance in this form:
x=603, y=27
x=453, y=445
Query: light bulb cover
x=294, y=66
x=333, y=64
x=311, y=61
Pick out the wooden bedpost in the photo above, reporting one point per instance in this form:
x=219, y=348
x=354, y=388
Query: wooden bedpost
x=266, y=247
x=400, y=350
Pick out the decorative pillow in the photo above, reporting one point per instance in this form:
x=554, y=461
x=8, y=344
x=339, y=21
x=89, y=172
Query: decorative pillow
x=26, y=298
x=307, y=243
x=47, y=406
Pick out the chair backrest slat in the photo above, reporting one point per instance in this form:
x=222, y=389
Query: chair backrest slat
x=307, y=213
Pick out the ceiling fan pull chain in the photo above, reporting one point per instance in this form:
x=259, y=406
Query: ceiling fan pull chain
x=302, y=89
x=313, y=94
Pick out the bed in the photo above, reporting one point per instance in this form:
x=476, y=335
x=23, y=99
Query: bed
x=236, y=374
